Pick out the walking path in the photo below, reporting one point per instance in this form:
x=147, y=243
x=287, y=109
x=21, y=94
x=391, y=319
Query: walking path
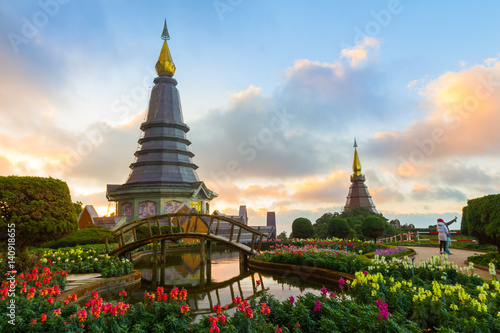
x=459, y=257
x=76, y=280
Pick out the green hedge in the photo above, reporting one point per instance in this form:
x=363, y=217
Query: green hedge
x=81, y=237
x=482, y=219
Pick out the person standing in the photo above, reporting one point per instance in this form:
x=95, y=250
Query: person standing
x=443, y=234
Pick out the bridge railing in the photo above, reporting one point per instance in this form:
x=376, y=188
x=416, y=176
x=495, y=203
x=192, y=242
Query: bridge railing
x=178, y=220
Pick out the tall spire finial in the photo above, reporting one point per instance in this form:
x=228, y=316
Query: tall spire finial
x=165, y=65
x=356, y=165
x=164, y=34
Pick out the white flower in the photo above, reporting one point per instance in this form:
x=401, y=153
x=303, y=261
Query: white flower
x=493, y=271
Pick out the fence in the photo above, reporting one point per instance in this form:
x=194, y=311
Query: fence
x=415, y=237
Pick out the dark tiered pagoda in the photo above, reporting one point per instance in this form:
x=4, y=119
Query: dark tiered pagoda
x=163, y=174
x=358, y=192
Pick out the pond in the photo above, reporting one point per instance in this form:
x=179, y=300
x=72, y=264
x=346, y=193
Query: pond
x=213, y=282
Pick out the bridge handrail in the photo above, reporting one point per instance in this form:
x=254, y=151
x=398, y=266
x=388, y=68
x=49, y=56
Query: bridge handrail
x=131, y=226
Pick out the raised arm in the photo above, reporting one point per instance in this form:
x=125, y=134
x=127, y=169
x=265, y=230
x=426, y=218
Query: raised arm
x=448, y=223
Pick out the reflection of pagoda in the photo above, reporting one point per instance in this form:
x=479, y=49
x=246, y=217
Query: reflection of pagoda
x=358, y=192
x=163, y=175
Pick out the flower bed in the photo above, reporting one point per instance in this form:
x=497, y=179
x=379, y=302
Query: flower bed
x=86, y=260
x=437, y=294
x=36, y=310
x=314, y=256
x=485, y=259
x=336, y=243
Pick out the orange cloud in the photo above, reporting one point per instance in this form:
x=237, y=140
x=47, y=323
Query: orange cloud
x=462, y=120
x=333, y=188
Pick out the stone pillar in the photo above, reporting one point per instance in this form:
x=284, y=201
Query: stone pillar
x=202, y=250
x=243, y=262
x=209, y=250
x=163, y=251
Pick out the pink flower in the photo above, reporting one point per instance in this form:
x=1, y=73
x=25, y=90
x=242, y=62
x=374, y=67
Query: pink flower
x=332, y=295
x=384, y=311
x=317, y=305
x=324, y=291
x=291, y=299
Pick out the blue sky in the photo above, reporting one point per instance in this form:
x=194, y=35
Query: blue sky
x=414, y=81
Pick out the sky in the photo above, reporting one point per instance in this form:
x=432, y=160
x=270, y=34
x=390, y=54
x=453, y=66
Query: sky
x=274, y=93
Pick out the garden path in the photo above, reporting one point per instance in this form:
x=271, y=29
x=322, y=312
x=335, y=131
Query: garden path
x=76, y=280
x=459, y=257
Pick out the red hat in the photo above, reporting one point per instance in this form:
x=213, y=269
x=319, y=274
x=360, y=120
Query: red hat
x=440, y=220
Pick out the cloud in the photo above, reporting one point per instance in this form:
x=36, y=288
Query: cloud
x=423, y=192
x=296, y=130
x=462, y=110
x=359, y=52
x=332, y=188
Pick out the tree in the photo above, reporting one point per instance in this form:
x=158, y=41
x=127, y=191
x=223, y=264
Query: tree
x=482, y=216
x=338, y=227
x=321, y=225
x=78, y=207
x=373, y=227
x=282, y=235
x=302, y=228
x=40, y=208
x=356, y=211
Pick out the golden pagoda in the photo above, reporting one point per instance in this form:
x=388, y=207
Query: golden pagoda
x=358, y=192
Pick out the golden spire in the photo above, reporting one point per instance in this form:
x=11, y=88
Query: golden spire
x=356, y=165
x=165, y=66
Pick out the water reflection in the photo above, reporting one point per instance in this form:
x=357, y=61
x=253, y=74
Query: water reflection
x=213, y=282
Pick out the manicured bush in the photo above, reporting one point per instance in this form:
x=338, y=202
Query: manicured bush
x=338, y=227
x=35, y=210
x=302, y=228
x=483, y=219
x=81, y=237
x=40, y=208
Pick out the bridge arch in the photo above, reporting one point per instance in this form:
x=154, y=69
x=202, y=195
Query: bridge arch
x=185, y=225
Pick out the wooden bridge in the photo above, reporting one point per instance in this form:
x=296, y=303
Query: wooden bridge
x=184, y=225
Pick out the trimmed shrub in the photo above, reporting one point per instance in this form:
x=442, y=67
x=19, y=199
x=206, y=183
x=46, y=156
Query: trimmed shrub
x=483, y=219
x=81, y=237
x=338, y=227
x=40, y=208
x=302, y=228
